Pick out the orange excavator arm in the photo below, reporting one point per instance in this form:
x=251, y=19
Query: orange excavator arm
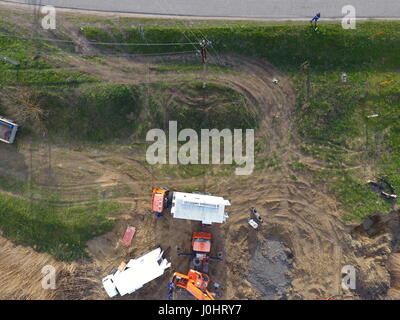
x=199, y=294
x=195, y=283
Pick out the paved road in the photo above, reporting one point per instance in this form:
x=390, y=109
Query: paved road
x=273, y=9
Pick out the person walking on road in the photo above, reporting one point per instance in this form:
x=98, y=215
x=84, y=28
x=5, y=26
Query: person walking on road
x=315, y=20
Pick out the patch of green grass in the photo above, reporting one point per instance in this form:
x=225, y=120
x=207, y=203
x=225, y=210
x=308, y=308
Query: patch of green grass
x=332, y=112
x=300, y=166
x=358, y=198
x=322, y=175
x=22, y=52
x=44, y=77
x=103, y=112
x=184, y=171
x=390, y=169
x=60, y=232
x=190, y=189
x=93, y=113
x=223, y=170
x=333, y=157
x=335, y=127
x=173, y=66
x=267, y=162
x=227, y=109
x=10, y=184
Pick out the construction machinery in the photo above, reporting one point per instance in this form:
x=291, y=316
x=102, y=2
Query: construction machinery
x=161, y=200
x=195, y=283
x=201, y=248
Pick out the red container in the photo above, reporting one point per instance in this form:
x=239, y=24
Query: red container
x=129, y=233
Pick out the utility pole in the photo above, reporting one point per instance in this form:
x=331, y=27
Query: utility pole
x=30, y=171
x=203, y=51
x=36, y=4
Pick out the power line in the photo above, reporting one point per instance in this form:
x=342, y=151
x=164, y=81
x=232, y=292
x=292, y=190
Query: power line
x=100, y=43
x=137, y=54
x=202, y=37
x=122, y=55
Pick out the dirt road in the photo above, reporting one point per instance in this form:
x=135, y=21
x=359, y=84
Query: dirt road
x=257, y=9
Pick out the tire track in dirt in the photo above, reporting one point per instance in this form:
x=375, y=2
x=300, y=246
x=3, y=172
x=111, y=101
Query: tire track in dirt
x=300, y=220
x=255, y=82
x=305, y=230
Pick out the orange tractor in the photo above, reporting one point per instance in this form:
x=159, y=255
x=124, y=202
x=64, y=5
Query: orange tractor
x=195, y=283
x=201, y=247
x=197, y=279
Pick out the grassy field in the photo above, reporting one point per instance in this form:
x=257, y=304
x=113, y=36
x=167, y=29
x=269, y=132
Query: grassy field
x=286, y=46
x=332, y=117
x=60, y=232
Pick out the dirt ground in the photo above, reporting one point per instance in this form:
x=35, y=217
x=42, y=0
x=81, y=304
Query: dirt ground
x=299, y=213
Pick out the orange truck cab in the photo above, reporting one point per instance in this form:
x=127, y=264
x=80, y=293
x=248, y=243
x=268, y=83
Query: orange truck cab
x=160, y=200
x=201, y=247
x=201, y=242
x=200, y=255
